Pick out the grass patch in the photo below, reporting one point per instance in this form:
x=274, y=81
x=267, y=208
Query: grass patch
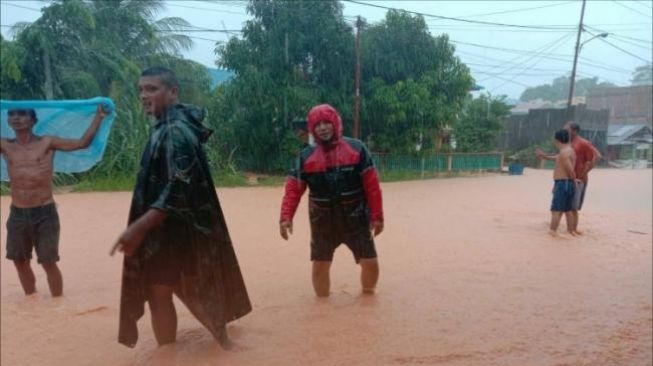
x=106, y=184
x=272, y=180
x=124, y=182
x=222, y=179
x=408, y=175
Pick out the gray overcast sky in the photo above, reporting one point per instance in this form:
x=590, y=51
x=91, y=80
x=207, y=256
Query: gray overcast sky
x=494, y=53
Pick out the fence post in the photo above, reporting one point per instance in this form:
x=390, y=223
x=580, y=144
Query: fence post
x=422, y=167
x=503, y=161
x=449, y=162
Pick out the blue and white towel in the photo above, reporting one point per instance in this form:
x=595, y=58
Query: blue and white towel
x=65, y=119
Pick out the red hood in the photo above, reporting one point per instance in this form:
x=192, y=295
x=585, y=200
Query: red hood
x=327, y=113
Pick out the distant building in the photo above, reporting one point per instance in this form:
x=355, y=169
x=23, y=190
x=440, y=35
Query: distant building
x=629, y=142
x=536, y=127
x=524, y=107
x=627, y=105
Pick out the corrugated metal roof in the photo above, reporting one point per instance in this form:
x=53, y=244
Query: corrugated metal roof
x=620, y=134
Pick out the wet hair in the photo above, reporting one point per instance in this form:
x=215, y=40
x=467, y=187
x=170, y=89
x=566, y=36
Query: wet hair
x=574, y=126
x=167, y=76
x=300, y=125
x=562, y=136
x=27, y=111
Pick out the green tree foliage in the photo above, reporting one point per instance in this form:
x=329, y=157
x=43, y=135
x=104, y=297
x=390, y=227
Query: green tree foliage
x=480, y=123
x=643, y=75
x=559, y=89
x=413, y=83
x=85, y=48
x=293, y=55
x=12, y=57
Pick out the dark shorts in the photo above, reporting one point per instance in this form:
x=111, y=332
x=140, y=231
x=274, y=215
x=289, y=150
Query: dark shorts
x=34, y=227
x=348, y=224
x=162, y=269
x=563, y=195
x=172, y=260
x=579, y=196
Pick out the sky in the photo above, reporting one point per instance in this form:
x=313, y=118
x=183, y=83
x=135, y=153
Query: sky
x=504, y=59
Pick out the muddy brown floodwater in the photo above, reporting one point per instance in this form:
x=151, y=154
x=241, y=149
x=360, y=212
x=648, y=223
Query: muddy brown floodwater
x=469, y=276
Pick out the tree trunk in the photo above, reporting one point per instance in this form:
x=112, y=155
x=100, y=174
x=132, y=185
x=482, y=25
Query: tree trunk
x=48, y=88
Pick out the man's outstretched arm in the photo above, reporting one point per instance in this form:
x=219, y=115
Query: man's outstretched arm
x=133, y=236
x=58, y=143
x=294, y=190
x=542, y=155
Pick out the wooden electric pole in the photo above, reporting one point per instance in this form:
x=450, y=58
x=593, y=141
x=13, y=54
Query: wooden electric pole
x=573, y=69
x=357, y=97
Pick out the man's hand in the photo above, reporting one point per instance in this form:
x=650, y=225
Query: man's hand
x=376, y=227
x=542, y=155
x=129, y=241
x=133, y=237
x=100, y=111
x=285, y=228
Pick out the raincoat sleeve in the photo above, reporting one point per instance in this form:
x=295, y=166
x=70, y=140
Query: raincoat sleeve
x=371, y=185
x=181, y=170
x=295, y=188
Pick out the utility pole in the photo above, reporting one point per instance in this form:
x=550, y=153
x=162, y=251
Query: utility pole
x=357, y=97
x=573, y=70
x=285, y=94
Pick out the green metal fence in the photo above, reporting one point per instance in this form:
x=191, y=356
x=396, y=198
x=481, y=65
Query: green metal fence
x=454, y=162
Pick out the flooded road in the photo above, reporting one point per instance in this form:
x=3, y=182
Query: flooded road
x=469, y=276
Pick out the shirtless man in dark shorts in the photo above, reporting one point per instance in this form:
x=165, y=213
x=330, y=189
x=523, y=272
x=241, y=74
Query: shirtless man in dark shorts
x=33, y=220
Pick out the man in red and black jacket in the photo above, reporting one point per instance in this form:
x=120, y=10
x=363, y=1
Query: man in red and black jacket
x=345, y=204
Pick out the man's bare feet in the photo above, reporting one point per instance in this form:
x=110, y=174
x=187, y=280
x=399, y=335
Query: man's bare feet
x=571, y=232
x=227, y=344
x=579, y=233
x=369, y=291
x=553, y=233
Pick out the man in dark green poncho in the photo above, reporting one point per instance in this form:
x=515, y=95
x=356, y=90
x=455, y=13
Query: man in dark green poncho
x=177, y=239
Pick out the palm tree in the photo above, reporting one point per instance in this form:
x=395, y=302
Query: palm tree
x=99, y=41
x=131, y=25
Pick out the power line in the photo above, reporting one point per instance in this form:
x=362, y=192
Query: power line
x=447, y=29
x=553, y=47
x=509, y=50
x=502, y=62
x=456, y=27
x=521, y=73
x=621, y=49
x=631, y=43
x=551, y=56
x=203, y=30
x=204, y=39
x=643, y=3
x=452, y=18
x=626, y=52
x=619, y=35
x=516, y=67
x=516, y=10
x=232, y=3
x=532, y=54
x=21, y=6
x=207, y=9
x=511, y=81
x=631, y=9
